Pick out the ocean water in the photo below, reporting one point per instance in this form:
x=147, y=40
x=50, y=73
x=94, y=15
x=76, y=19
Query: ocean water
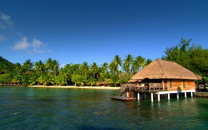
x=46, y=108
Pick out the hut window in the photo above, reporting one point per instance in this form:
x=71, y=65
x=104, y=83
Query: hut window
x=171, y=83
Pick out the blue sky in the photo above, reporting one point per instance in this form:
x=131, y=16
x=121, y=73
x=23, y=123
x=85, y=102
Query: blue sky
x=74, y=31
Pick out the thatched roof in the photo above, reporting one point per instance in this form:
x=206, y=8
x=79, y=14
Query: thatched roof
x=161, y=69
x=103, y=83
x=134, y=80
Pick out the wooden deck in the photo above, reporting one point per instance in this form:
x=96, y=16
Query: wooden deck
x=143, y=89
x=128, y=91
x=121, y=98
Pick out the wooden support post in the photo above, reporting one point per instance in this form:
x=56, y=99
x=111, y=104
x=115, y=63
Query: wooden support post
x=177, y=95
x=138, y=96
x=158, y=97
x=152, y=98
x=168, y=96
x=163, y=84
x=185, y=95
x=127, y=94
x=191, y=94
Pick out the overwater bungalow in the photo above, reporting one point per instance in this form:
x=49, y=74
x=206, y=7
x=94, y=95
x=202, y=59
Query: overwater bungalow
x=159, y=78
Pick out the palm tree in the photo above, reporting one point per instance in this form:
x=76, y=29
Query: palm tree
x=114, y=69
x=52, y=66
x=17, y=76
x=103, y=72
x=27, y=72
x=48, y=65
x=18, y=69
x=55, y=67
x=75, y=68
x=128, y=64
x=62, y=77
x=117, y=62
x=104, y=67
x=27, y=66
x=138, y=64
x=94, y=70
x=39, y=67
x=85, y=69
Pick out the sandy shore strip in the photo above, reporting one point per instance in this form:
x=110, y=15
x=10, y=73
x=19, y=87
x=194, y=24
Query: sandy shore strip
x=80, y=87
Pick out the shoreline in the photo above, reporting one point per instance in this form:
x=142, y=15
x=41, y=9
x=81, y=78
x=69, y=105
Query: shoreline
x=73, y=87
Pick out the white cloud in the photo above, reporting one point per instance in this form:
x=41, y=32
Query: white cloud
x=22, y=44
x=5, y=17
x=5, y=21
x=36, y=46
x=2, y=38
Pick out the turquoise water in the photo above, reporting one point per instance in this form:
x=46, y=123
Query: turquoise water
x=45, y=108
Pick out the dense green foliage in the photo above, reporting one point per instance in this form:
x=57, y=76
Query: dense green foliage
x=49, y=72
x=5, y=66
x=118, y=71
x=191, y=56
x=5, y=78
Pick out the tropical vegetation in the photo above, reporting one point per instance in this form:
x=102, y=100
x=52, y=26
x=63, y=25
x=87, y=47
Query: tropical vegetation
x=191, y=56
x=118, y=71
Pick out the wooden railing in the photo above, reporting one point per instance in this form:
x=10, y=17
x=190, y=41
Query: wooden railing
x=144, y=88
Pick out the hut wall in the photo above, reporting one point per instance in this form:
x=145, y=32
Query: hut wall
x=189, y=85
x=177, y=85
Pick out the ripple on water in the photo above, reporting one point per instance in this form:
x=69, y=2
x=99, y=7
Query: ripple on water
x=34, y=108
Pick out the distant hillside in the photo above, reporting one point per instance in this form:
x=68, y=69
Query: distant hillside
x=5, y=66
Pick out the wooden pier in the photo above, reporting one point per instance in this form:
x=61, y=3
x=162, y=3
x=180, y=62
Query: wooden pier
x=131, y=93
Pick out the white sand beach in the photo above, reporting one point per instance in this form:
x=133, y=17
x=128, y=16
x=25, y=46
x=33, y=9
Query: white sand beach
x=75, y=87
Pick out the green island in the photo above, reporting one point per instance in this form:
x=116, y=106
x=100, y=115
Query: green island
x=115, y=73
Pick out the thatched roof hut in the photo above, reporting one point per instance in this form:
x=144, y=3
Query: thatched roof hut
x=104, y=83
x=160, y=77
x=161, y=69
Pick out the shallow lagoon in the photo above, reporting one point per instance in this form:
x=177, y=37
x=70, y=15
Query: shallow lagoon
x=46, y=108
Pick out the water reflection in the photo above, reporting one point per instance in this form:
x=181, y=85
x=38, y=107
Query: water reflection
x=181, y=113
